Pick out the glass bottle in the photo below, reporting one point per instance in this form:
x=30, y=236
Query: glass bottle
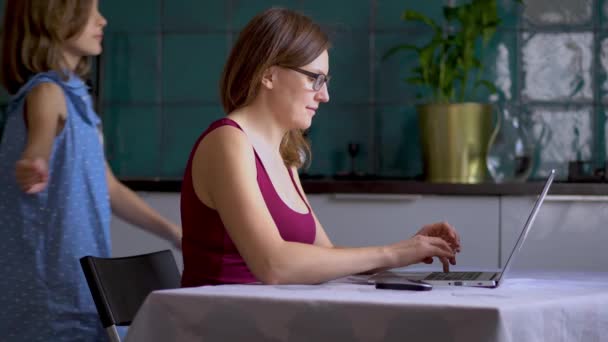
x=512, y=148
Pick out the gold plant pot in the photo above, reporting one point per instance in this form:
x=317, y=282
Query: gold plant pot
x=454, y=139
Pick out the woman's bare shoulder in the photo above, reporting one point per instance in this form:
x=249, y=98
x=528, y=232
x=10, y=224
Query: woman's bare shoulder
x=222, y=158
x=224, y=140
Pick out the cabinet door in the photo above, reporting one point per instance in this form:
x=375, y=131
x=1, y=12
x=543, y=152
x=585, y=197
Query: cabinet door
x=367, y=219
x=570, y=233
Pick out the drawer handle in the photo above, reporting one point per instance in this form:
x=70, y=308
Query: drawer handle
x=376, y=197
x=576, y=198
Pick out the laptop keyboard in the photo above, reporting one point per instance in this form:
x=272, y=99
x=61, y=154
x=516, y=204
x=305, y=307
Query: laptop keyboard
x=453, y=276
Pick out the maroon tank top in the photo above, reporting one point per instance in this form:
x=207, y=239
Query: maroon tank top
x=210, y=256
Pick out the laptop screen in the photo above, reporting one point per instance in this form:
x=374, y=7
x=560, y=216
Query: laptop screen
x=528, y=224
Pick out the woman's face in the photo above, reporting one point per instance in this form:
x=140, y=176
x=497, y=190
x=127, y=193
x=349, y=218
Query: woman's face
x=293, y=96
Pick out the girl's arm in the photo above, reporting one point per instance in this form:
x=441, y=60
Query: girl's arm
x=127, y=205
x=224, y=177
x=45, y=110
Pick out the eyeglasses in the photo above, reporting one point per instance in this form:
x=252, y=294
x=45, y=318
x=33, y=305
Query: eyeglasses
x=320, y=79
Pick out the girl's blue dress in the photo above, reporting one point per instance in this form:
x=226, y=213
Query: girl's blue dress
x=43, y=293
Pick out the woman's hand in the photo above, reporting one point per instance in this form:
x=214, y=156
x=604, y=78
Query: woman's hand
x=447, y=233
x=420, y=248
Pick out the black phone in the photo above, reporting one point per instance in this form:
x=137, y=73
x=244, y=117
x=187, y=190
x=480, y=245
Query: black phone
x=403, y=284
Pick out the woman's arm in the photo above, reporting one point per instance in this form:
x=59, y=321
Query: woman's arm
x=127, y=205
x=224, y=177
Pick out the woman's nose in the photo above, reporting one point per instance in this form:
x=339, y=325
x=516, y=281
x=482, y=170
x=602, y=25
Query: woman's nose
x=323, y=94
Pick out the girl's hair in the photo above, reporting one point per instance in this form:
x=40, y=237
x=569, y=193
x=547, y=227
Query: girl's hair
x=34, y=32
x=280, y=37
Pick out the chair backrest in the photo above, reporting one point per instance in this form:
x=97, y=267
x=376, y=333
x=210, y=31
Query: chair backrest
x=120, y=285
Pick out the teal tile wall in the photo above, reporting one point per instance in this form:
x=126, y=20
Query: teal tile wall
x=195, y=16
x=191, y=67
x=178, y=138
x=163, y=59
x=171, y=62
x=241, y=11
x=401, y=155
x=132, y=16
x=131, y=69
x=132, y=139
x=332, y=130
x=349, y=66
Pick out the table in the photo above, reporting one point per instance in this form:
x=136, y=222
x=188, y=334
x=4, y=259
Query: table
x=546, y=307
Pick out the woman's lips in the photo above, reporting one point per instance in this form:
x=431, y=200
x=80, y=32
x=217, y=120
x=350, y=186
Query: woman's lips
x=312, y=109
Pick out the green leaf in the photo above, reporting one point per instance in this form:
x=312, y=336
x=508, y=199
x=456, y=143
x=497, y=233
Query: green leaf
x=395, y=49
x=450, y=13
x=418, y=72
x=415, y=80
x=489, y=85
x=450, y=63
x=476, y=63
x=416, y=16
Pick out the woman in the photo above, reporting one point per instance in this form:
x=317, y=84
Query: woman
x=245, y=217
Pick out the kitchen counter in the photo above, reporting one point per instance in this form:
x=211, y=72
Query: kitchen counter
x=329, y=186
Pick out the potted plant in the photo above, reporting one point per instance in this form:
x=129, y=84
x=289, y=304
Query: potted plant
x=455, y=133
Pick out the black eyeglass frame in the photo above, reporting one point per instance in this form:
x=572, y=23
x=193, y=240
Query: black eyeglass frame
x=319, y=78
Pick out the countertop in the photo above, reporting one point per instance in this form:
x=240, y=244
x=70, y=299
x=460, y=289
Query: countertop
x=396, y=186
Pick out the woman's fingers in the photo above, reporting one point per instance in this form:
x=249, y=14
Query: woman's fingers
x=442, y=245
x=454, y=238
x=446, y=264
x=445, y=231
x=443, y=251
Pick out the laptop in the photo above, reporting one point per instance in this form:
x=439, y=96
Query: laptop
x=479, y=279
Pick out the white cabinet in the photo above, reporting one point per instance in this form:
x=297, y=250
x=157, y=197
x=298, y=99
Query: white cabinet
x=129, y=240
x=369, y=219
x=570, y=233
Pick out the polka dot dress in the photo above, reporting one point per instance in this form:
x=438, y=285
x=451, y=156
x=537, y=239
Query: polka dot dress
x=43, y=293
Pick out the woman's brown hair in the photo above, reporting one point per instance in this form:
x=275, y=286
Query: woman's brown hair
x=280, y=37
x=34, y=32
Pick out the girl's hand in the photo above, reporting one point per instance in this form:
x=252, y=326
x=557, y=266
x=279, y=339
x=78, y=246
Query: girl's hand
x=32, y=174
x=177, y=236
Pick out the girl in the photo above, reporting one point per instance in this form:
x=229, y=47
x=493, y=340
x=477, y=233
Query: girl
x=56, y=190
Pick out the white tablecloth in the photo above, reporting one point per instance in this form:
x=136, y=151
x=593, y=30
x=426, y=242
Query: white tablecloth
x=550, y=307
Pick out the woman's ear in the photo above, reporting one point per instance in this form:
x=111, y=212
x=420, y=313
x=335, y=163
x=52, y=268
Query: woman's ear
x=268, y=77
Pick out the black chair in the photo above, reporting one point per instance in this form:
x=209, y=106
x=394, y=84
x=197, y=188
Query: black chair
x=120, y=285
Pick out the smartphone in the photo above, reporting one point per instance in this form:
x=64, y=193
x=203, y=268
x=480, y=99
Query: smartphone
x=403, y=284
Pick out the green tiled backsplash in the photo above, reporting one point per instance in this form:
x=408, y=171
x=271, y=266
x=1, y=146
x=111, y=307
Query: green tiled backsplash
x=163, y=58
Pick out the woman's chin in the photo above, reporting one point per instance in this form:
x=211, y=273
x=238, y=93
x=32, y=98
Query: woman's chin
x=305, y=124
